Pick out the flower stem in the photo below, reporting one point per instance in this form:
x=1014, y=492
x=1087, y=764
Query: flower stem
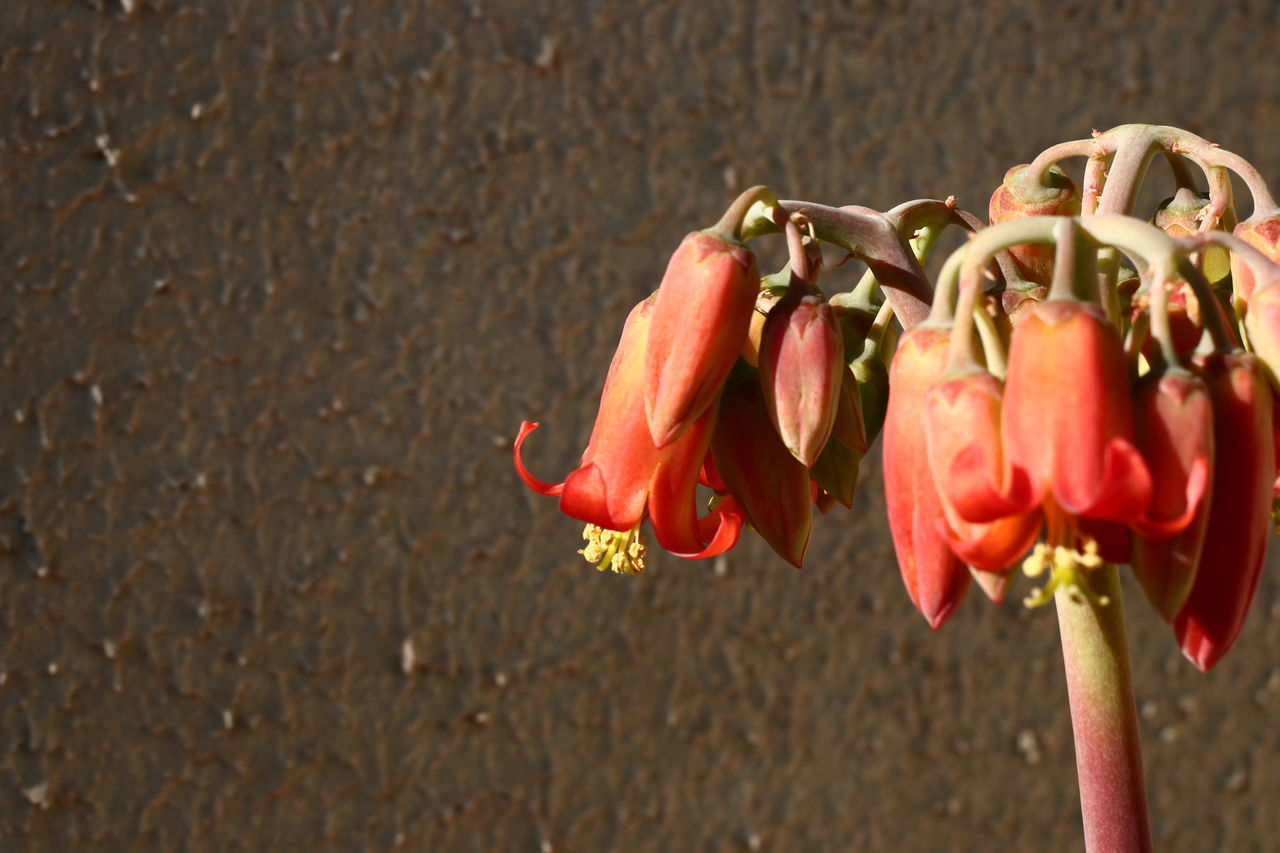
x=1113, y=800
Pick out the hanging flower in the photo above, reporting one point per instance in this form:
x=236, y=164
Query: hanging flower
x=935, y=577
x=1068, y=418
x=1240, y=511
x=1174, y=431
x=624, y=477
x=982, y=497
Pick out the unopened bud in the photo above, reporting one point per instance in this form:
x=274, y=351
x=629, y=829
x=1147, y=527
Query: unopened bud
x=1017, y=198
x=801, y=372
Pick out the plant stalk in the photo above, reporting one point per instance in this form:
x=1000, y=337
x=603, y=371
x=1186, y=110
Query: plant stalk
x=1113, y=799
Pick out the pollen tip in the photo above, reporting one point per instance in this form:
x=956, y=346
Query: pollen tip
x=622, y=552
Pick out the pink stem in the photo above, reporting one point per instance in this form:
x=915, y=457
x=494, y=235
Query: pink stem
x=1113, y=799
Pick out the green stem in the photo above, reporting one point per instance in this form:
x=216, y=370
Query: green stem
x=1113, y=799
x=872, y=238
x=730, y=224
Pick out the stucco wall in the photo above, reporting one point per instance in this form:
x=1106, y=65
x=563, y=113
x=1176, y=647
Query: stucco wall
x=281, y=279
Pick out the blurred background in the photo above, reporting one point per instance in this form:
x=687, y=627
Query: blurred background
x=280, y=282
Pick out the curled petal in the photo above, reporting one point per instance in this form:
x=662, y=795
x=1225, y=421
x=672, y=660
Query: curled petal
x=720, y=529
x=974, y=494
x=673, y=492
x=994, y=546
x=542, y=487
x=710, y=477
x=1197, y=486
x=1122, y=493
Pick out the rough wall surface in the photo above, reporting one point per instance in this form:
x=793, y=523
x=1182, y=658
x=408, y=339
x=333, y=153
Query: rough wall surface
x=280, y=280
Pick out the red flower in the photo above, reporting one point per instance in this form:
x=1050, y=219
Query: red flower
x=1240, y=513
x=624, y=476
x=1175, y=433
x=1068, y=418
x=935, y=578
x=982, y=497
x=699, y=327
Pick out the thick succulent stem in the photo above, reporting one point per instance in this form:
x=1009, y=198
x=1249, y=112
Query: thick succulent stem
x=1113, y=798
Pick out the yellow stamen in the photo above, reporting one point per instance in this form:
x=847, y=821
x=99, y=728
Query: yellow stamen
x=1066, y=567
x=1034, y=566
x=619, y=551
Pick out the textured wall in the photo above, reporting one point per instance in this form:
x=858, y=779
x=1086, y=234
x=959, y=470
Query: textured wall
x=280, y=280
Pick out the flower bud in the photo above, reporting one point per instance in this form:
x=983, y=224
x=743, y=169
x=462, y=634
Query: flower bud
x=1015, y=198
x=1239, y=510
x=699, y=325
x=1174, y=430
x=801, y=372
x=1179, y=216
x=935, y=577
x=769, y=484
x=1017, y=301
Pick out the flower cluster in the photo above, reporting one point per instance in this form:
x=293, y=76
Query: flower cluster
x=723, y=379
x=1116, y=417
x=1078, y=388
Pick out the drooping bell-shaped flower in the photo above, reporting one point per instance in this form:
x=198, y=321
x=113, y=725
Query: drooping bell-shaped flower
x=761, y=475
x=802, y=371
x=935, y=577
x=1239, y=512
x=985, y=501
x=1174, y=431
x=1016, y=198
x=624, y=477
x=700, y=323
x=1067, y=416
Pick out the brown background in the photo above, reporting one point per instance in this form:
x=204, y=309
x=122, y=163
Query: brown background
x=280, y=280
